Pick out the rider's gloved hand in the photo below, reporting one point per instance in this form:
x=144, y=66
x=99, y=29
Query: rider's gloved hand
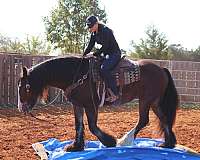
x=84, y=54
x=95, y=54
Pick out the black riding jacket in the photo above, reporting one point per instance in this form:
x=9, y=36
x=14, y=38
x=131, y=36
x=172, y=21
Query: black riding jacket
x=105, y=37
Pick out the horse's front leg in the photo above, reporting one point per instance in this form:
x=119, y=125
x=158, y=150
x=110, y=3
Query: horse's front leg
x=78, y=144
x=127, y=139
x=104, y=138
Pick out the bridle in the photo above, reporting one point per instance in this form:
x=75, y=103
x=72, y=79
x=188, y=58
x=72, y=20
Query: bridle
x=69, y=89
x=27, y=90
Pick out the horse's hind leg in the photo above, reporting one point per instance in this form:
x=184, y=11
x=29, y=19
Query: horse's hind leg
x=142, y=122
x=78, y=144
x=104, y=138
x=170, y=139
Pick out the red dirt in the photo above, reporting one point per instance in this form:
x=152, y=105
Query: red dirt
x=19, y=132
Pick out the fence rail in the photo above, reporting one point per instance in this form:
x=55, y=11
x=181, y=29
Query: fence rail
x=10, y=70
x=186, y=75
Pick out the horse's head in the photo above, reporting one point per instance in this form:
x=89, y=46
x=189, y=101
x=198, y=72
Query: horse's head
x=27, y=95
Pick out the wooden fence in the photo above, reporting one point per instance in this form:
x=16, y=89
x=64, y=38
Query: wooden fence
x=10, y=70
x=186, y=75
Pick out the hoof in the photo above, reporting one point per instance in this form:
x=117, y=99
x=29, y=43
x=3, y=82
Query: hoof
x=73, y=148
x=165, y=145
x=124, y=142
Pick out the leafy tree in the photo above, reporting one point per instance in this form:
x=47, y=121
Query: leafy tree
x=4, y=43
x=33, y=45
x=36, y=46
x=65, y=27
x=153, y=46
x=178, y=52
x=196, y=54
x=16, y=46
x=9, y=45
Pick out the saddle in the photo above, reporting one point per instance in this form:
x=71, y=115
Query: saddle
x=125, y=72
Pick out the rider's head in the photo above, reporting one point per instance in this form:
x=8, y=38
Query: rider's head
x=92, y=23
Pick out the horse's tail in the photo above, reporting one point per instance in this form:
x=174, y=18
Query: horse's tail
x=170, y=101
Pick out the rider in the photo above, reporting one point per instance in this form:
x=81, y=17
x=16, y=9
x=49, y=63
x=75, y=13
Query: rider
x=109, y=51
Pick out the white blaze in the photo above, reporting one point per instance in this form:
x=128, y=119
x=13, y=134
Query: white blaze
x=19, y=104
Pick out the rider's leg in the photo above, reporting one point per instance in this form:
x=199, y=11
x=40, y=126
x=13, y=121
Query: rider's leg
x=106, y=68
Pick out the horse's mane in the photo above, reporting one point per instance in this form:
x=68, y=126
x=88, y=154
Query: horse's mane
x=58, y=71
x=39, y=65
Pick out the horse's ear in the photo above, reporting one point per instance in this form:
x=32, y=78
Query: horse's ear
x=24, y=71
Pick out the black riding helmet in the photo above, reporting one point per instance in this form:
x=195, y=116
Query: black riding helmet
x=91, y=20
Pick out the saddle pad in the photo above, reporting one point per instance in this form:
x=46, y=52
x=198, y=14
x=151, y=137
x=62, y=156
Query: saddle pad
x=126, y=72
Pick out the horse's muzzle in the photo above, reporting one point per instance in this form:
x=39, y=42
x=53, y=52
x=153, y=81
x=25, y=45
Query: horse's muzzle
x=24, y=107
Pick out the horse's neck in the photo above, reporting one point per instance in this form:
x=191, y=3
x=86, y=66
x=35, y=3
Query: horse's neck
x=39, y=79
x=61, y=75
x=52, y=78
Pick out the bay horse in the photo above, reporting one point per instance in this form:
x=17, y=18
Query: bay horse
x=155, y=90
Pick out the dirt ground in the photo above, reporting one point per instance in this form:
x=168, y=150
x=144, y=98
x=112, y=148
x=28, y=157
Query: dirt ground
x=19, y=132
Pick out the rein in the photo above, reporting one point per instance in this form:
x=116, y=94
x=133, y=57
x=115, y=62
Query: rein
x=42, y=120
x=90, y=85
x=45, y=105
x=69, y=89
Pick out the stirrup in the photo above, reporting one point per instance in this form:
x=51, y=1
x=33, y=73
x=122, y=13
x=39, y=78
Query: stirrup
x=108, y=99
x=112, y=98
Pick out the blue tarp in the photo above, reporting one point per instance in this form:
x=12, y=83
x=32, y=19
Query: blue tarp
x=143, y=149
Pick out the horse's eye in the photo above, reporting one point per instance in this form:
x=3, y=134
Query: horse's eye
x=28, y=87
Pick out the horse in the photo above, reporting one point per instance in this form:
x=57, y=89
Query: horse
x=155, y=90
